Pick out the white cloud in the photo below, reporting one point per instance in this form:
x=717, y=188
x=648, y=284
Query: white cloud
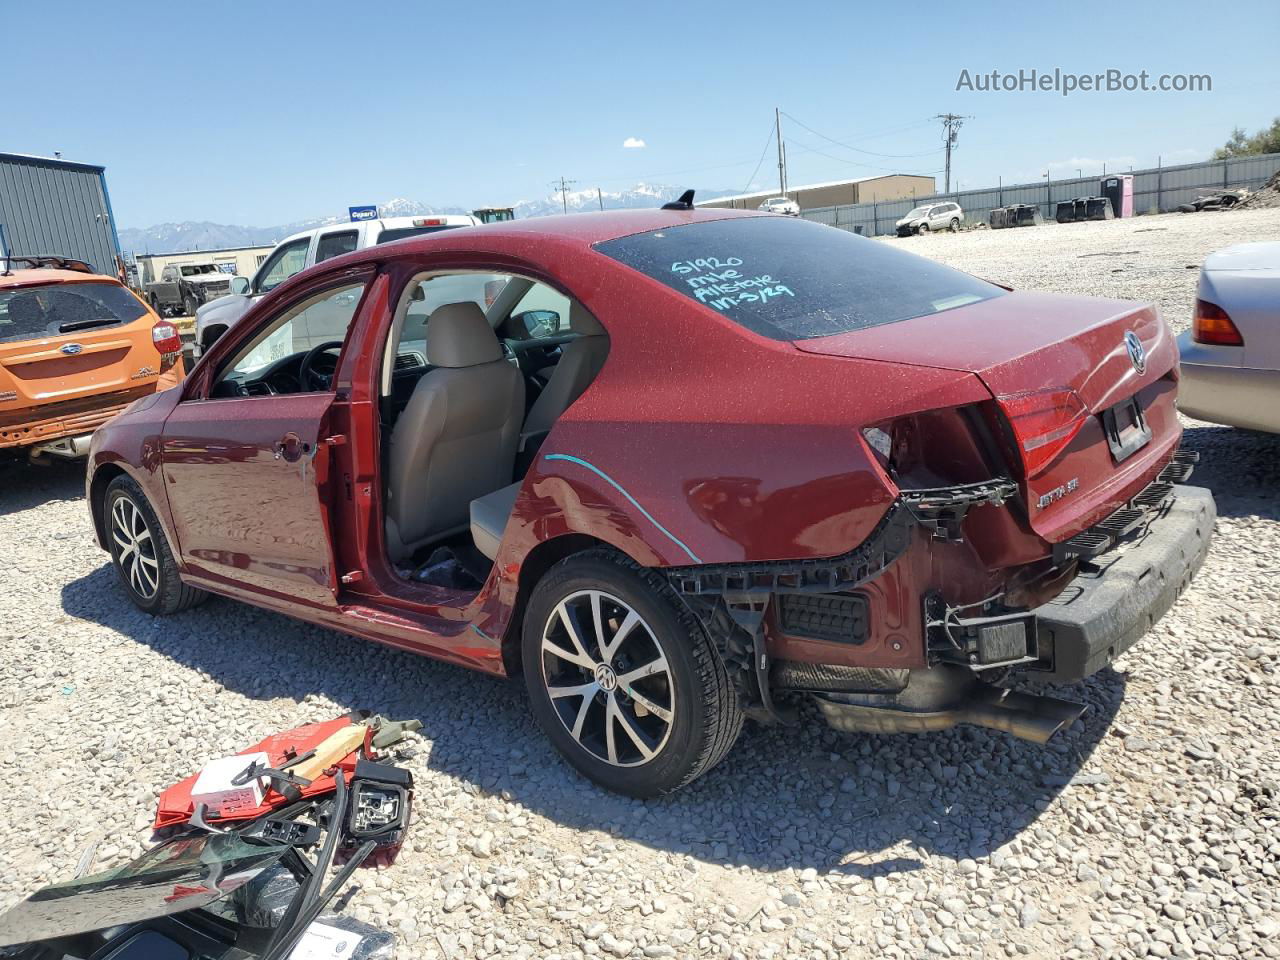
x=633, y=143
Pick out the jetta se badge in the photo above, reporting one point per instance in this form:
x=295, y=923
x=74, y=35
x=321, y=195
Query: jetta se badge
x=71, y=348
x=1137, y=352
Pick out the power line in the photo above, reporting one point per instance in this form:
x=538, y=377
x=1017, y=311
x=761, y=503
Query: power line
x=854, y=163
x=873, y=153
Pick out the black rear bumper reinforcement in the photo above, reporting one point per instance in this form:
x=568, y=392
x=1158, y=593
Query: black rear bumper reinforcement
x=1119, y=595
x=731, y=599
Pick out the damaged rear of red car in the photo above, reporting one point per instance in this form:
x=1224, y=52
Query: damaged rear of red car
x=1009, y=471
x=765, y=460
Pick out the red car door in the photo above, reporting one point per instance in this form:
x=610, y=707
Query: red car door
x=244, y=478
x=245, y=461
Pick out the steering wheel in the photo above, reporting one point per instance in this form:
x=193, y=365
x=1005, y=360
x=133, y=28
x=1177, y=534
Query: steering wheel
x=314, y=380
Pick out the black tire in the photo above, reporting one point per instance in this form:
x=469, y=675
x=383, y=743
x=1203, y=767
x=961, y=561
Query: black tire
x=126, y=504
x=922, y=229
x=705, y=717
x=955, y=225
x=190, y=306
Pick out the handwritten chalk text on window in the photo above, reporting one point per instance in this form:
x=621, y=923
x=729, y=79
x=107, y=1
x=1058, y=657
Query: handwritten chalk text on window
x=717, y=283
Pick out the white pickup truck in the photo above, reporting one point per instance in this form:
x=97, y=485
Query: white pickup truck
x=302, y=250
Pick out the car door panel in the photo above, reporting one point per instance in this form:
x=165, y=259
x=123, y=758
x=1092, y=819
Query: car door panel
x=247, y=480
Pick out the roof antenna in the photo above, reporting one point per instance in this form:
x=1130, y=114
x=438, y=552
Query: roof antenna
x=684, y=203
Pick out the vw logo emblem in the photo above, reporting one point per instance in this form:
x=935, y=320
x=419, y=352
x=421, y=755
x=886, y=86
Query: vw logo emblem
x=71, y=348
x=1137, y=352
x=605, y=676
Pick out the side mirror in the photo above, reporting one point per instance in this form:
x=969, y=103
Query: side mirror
x=240, y=285
x=539, y=323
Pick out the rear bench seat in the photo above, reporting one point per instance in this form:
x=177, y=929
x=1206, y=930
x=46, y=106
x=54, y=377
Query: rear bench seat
x=489, y=515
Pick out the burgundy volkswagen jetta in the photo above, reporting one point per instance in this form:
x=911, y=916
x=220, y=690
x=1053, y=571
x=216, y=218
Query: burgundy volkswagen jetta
x=679, y=467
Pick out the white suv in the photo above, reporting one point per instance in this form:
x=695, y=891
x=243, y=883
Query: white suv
x=934, y=216
x=781, y=205
x=302, y=250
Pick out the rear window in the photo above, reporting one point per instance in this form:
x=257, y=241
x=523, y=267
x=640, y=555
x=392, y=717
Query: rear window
x=57, y=308
x=402, y=232
x=791, y=279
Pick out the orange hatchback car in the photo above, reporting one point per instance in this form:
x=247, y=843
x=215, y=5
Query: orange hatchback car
x=75, y=349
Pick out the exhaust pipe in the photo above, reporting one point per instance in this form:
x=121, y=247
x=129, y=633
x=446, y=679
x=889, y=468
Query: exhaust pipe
x=67, y=448
x=943, y=697
x=1027, y=716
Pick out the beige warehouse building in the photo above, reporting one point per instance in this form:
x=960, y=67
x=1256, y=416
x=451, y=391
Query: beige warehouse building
x=893, y=186
x=243, y=261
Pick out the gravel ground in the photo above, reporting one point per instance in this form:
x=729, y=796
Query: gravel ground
x=1148, y=829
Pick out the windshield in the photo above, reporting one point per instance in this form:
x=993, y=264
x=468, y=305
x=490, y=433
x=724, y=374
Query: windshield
x=55, y=308
x=401, y=232
x=790, y=279
x=183, y=873
x=198, y=269
x=919, y=212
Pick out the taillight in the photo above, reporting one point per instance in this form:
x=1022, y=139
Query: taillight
x=1044, y=422
x=165, y=337
x=1212, y=325
x=429, y=221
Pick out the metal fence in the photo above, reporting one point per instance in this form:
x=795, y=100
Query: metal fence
x=1155, y=190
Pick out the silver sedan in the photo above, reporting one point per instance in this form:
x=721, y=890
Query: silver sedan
x=1231, y=355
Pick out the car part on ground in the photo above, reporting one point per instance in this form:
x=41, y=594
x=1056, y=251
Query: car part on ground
x=1214, y=200
x=1230, y=358
x=242, y=888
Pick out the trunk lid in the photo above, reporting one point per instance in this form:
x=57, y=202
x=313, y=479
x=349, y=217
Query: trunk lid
x=1026, y=344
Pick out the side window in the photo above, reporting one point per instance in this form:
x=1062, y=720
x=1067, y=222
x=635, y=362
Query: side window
x=170, y=273
x=283, y=264
x=324, y=318
x=335, y=244
x=542, y=312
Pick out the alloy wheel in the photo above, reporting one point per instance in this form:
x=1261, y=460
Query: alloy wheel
x=608, y=678
x=135, y=548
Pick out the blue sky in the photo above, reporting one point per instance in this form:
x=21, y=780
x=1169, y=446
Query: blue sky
x=266, y=113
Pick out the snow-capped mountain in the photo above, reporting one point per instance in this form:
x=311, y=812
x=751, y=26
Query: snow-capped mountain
x=582, y=201
x=206, y=235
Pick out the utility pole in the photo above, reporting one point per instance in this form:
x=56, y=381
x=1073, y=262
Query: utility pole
x=782, y=156
x=562, y=187
x=600, y=198
x=951, y=124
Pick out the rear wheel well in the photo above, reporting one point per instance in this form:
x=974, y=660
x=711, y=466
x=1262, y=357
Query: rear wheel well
x=97, y=497
x=536, y=563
